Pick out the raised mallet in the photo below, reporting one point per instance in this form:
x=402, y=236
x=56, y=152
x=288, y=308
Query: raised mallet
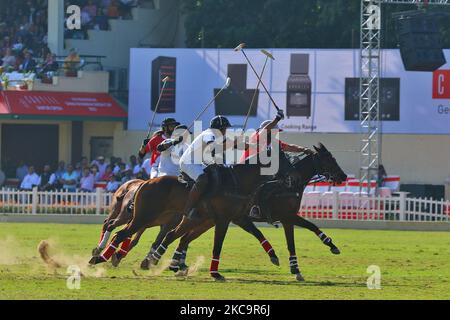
x=165, y=80
x=226, y=85
x=240, y=48
x=268, y=56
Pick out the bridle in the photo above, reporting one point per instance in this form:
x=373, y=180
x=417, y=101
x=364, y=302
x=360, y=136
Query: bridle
x=318, y=177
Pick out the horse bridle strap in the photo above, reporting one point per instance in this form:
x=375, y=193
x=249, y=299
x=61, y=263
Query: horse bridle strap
x=317, y=177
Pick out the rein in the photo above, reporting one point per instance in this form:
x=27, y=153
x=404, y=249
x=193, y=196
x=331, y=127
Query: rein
x=316, y=176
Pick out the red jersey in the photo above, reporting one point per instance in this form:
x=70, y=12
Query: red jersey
x=152, y=145
x=261, y=145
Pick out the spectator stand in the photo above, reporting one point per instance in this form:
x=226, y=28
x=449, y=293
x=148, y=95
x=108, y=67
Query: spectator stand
x=85, y=60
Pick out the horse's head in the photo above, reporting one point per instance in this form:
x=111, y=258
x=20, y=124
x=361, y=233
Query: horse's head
x=327, y=166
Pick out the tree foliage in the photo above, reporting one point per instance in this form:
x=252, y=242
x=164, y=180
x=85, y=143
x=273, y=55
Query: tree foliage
x=284, y=23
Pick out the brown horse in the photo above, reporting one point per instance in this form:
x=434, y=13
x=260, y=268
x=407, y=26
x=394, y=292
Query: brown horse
x=168, y=218
x=119, y=213
x=222, y=208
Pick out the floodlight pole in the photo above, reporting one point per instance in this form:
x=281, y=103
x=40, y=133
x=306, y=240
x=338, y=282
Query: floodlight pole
x=370, y=69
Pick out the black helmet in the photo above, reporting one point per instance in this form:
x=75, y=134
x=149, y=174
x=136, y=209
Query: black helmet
x=182, y=127
x=220, y=122
x=169, y=121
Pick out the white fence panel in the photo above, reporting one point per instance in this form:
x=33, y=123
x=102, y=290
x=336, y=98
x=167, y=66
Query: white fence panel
x=316, y=205
x=360, y=206
x=54, y=202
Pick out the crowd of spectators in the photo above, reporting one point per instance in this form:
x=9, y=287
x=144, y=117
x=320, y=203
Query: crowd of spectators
x=83, y=176
x=23, y=31
x=95, y=14
x=23, y=34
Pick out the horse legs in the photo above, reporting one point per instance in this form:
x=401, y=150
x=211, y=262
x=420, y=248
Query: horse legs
x=289, y=233
x=246, y=224
x=185, y=225
x=110, y=226
x=301, y=222
x=179, y=257
x=219, y=236
x=118, y=238
x=145, y=264
x=107, y=229
x=127, y=245
x=98, y=249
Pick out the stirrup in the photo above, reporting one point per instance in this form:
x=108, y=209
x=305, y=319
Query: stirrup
x=276, y=224
x=255, y=212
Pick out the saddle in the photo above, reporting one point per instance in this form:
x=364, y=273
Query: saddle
x=220, y=179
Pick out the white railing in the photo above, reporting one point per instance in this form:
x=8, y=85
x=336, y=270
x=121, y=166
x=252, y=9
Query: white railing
x=360, y=206
x=316, y=205
x=54, y=202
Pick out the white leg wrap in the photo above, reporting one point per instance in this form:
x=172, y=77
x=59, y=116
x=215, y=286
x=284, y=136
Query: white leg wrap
x=105, y=240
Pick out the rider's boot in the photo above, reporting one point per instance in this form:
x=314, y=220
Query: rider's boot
x=195, y=194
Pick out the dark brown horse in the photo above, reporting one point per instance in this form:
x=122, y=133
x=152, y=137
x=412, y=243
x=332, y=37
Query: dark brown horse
x=221, y=208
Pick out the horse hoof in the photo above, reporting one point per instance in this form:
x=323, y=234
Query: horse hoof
x=96, y=260
x=299, y=277
x=218, y=277
x=335, y=250
x=96, y=252
x=182, y=273
x=275, y=261
x=115, y=260
x=152, y=261
x=145, y=264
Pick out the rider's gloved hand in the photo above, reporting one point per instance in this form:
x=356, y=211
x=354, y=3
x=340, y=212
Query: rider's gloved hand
x=165, y=145
x=280, y=115
x=145, y=142
x=178, y=140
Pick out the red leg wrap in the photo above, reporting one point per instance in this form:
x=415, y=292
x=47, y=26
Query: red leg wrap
x=109, y=252
x=214, y=265
x=125, y=246
x=267, y=246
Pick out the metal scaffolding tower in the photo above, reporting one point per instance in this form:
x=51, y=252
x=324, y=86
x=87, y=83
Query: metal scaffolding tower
x=370, y=68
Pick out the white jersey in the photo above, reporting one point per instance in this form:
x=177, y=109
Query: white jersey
x=152, y=171
x=169, y=164
x=192, y=162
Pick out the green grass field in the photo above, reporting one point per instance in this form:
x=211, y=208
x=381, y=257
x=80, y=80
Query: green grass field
x=414, y=265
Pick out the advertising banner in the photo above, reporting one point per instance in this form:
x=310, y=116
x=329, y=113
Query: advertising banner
x=39, y=103
x=317, y=89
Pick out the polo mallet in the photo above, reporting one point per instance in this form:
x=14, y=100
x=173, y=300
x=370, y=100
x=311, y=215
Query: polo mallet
x=268, y=55
x=241, y=49
x=165, y=80
x=226, y=85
